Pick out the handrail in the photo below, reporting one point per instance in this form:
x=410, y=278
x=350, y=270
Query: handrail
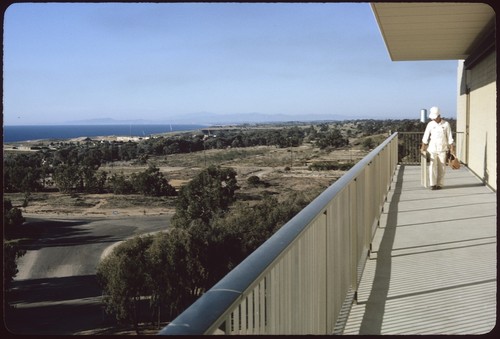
x=255, y=295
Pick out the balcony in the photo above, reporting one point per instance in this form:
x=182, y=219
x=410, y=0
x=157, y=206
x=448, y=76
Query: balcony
x=376, y=253
x=432, y=269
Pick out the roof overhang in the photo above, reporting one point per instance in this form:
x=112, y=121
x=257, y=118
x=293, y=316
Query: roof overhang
x=432, y=31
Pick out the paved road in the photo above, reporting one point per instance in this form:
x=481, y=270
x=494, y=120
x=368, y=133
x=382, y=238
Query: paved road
x=55, y=291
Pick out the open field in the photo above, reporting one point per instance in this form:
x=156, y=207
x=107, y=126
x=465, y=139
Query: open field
x=281, y=170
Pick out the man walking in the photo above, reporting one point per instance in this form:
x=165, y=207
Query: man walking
x=437, y=140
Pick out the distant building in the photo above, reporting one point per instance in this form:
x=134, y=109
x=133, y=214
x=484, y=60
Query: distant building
x=134, y=139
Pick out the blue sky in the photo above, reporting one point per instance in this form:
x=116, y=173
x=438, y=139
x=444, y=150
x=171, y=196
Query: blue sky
x=158, y=61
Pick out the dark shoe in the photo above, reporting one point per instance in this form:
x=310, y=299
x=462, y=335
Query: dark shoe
x=434, y=187
x=438, y=187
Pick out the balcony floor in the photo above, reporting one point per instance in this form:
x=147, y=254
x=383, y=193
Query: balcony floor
x=433, y=266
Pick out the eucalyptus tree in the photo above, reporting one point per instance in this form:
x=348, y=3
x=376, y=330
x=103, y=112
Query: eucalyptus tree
x=125, y=276
x=176, y=275
x=210, y=193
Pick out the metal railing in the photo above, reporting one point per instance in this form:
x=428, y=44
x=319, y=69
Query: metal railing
x=410, y=142
x=299, y=279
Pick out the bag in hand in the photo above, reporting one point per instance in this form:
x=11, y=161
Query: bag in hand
x=453, y=162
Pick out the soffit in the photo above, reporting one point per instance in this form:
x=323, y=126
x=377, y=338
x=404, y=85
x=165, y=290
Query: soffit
x=431, y=31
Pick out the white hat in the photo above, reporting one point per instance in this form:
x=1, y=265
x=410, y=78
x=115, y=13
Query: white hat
x=434, y=113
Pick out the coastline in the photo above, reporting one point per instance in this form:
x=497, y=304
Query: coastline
x=56, y=133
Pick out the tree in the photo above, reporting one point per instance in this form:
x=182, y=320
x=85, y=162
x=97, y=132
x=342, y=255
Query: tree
x=12, y=216
x=11, y=252
x=12, y=219
x=175, y=272
x=23, y=173
x=67, y=177
x=208, y=194
x=204, y=198
x=152, y=182
x=92, y=181
x=125, y=277
x=90, y=157
x=312, y=132
x=66, y=155
x=128, y=151
x=230, y=238
x=333, y=138
x=368, y=143
x=120, y=184
x=324, y=127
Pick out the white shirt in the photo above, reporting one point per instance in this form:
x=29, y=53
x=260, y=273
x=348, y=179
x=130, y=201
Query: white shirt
x=440, y=136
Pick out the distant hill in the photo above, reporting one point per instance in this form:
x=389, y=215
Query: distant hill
x=212, y=118
x=109, y=121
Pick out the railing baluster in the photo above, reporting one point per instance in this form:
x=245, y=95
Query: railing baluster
x=410, y=143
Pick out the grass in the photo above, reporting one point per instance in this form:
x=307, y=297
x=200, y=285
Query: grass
x=135, y=200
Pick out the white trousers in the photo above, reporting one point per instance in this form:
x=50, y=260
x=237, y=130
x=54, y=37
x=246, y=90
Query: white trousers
x=437, y=168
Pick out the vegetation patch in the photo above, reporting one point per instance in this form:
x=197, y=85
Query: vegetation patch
x=330, y=165
x=136, y=200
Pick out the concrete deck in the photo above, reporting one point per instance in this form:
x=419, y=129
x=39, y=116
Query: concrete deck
x=433, y=267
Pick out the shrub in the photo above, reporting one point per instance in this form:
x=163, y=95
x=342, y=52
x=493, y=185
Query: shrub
x=253, y=180
x=330, y=165
x=152, y=182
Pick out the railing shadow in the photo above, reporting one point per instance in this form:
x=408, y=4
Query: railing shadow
x=375, y=305
x=464, y=186
x=444, y=221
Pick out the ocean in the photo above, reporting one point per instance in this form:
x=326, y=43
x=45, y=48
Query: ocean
x=36, y=132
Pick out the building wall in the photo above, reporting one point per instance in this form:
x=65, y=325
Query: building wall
x=461, y=112
x=478, y=106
